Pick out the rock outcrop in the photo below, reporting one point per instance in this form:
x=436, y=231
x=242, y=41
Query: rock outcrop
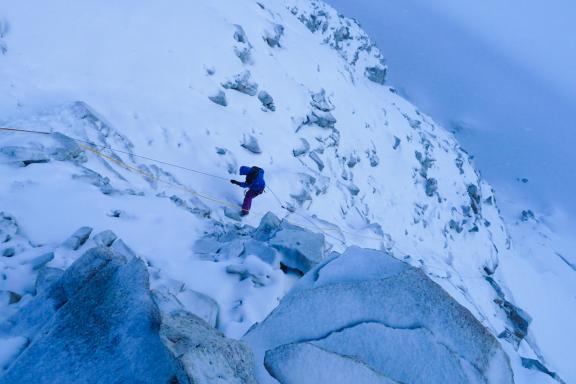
x=98, y=322
x=368, y=313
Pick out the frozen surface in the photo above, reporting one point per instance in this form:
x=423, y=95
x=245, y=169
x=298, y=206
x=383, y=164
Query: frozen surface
x=348, y=162
x=389, y=323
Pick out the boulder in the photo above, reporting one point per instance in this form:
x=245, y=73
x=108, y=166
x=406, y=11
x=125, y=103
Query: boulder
x=267, y=101
x=261, y=250
x=206, y=355
x=321, y=102
x=376, y=74
x=273, y=38
x=269, y=225
x=242, y=84
x=393, y=320
x=200, y=305
x=305, y=363
x=105, y=238
x=250, y=143
x=99, y=323
x=300, y=249
x=302, y=149
x=219, y=98
x=316, y=158
x=78, y=238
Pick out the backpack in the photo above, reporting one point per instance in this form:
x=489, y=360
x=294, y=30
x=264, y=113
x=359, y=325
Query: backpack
x=251, y=176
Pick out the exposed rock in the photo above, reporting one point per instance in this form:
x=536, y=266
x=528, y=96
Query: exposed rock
x=273, y=39
x=25, y=156
x=242, y=83
x=105, y=238
x=78, y=238
x=376, y=74
x=244, y=54
x=205, y=307
x=207, y=356
x=314, y=156
x=68, y=150
x=373, y=157
x=538, y=366
x=321, y=119
x=90, y=337
x=244, y=49
x=475, y=198
x=321, y=102
x=269, y=225
x=81, y=328
x=519, y=319
x=527, y=215
x=396, y=143
x=219, y=98
x=40, y=261
x=250, y=143
x=431, y=186
x=302, y=149
x=267, y=101
x=306, y=363
x=46, y=277
x=8, y=227
x=300, y=249
x=262, y=251
x=197, y=207
x=97, y=180
x=356, y=303
x=240, y=35
x=353, y=188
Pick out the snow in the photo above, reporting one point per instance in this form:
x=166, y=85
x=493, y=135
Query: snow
x=390, y=323
x=346, y=157
x=305, y=363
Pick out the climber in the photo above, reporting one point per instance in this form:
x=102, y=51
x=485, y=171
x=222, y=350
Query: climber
x=255, y=184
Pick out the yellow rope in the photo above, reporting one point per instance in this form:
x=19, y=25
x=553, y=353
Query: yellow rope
x=206, y=197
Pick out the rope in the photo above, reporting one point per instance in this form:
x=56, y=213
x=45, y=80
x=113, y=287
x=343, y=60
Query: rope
x=24, y=130
x=120, y=151
x=89, y=147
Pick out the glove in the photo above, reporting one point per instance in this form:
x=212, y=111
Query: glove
x=234, y=182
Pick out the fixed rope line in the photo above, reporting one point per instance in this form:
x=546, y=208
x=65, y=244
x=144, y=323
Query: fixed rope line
x=122, y=164
x=233, y=206
x=24, y=130
x=89, y=147
x=119, y=151
x=156, y=178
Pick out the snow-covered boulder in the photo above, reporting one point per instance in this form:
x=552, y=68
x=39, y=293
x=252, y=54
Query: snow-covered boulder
x=301, y=249
x=99, y=323
x=78, y=238
x=397, y=324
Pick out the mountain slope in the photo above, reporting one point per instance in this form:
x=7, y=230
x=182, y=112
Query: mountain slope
x=289, y=86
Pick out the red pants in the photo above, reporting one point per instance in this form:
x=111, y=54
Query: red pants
x=248, y=200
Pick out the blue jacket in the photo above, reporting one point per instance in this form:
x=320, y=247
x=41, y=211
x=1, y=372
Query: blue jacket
x=257, y=184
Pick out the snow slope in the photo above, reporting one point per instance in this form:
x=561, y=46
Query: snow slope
x=290, y=86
